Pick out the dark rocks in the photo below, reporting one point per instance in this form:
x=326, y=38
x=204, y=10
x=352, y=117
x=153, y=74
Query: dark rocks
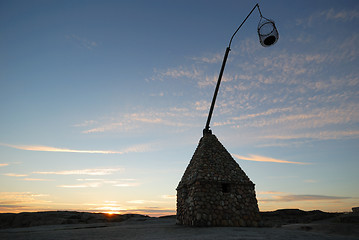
x=214, y=190
x=351, y=217
x=30, y=219
x=293, y=216
x=355, y=210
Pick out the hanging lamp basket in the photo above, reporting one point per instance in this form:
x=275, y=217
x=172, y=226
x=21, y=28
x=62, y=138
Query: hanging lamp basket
x=267, y=32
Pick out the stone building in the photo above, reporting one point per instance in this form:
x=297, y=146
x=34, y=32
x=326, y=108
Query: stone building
x=214, y=190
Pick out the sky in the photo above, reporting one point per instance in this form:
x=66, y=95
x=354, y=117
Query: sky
x=103, y=103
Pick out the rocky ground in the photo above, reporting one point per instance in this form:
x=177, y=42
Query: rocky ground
x=280, y=224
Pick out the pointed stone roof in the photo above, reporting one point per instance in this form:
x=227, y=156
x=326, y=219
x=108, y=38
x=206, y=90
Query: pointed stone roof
x=212, y=162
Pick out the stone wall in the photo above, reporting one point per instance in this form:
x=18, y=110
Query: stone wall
x=215, y=191
x=205, y=204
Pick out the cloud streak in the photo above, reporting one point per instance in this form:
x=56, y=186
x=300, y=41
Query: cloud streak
x=92, y=172
x=329, y=14
x=83, y=42
x=91, y=185
x=143, y=201
x=126, y=184
x=95, y=182
x=343, y=15
x=15, y=202
x=269, y=192
x=15, y=175
x=321, y=135
x=214, y=58
x=37, y=179
x=179, y=72
x=258, y=158
x=41, y=148
x=295, y=198
x=145, y=120
x=168, y=196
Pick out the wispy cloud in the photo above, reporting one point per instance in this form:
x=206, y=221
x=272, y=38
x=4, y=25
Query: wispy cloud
x=82, y=42
x=176, y=73
x=329, y=15
x=105, y=127
x=92, y=172
x=142, y=201
x=95, y=182
x=210, y=58
x=160, y=94
x=259, y=115
x=90, y=184
x=313, y=118
x=294, y=198
x=196, y=74
x=145, y=120
x=16, y=197
x=278, y=126
x=15, y=175
x=137, y=201
x=21, y=201
x=41, y=148
x=4, y=164
x=139, y=148
x=321, y=135
x=265, y=113
x=126, y=184
x=269, y=192
x=342, y=15
x=89, y=179
x=85, y=123
x=37, y=179
x=258, y=158
x=168, y=196
x=285, y=95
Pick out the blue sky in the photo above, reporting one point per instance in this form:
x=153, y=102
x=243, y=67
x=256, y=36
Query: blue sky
x=103, y=102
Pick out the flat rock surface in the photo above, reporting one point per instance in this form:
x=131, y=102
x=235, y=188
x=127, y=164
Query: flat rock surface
x=165, y=228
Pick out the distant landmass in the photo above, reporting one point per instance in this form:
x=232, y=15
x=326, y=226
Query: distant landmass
x=269, y=219
x=30, y=219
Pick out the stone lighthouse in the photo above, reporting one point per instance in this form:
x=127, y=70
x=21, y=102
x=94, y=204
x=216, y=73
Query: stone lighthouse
x=214, y=190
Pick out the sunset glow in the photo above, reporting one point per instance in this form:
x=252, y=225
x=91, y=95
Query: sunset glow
x=102, y=103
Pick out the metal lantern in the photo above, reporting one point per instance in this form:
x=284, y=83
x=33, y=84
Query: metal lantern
x=267, y=32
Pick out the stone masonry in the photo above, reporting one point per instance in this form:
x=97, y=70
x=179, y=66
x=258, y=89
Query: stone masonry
x=214, y=190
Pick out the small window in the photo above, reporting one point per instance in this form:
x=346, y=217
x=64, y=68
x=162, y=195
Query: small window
x=226, y=187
